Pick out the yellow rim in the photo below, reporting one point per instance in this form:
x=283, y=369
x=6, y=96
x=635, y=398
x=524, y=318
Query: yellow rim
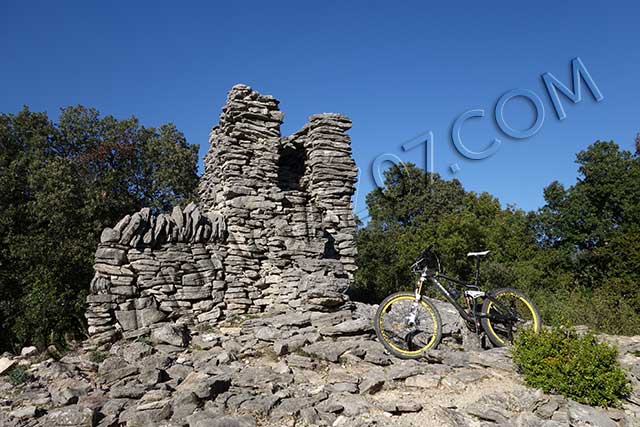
x=536, y=323
x=388, y=341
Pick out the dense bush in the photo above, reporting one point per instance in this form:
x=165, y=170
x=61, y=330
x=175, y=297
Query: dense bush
x=577, y=367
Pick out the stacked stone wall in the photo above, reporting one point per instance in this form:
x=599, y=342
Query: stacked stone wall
x=273, y=230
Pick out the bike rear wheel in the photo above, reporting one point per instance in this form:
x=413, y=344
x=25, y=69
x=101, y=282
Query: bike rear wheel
x=506, y=311
x=407, y=328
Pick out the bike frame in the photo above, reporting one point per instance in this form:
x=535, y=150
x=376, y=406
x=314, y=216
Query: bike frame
x=473, y=291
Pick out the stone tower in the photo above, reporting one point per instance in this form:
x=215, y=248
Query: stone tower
x=273, y=230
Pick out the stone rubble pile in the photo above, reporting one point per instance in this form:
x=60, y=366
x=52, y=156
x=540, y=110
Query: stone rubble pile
x=273, y=230
x=291, y=368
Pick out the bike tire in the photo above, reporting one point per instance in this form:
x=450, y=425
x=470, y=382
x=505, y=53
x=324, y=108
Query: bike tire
x=498, y=340
x=385, y=307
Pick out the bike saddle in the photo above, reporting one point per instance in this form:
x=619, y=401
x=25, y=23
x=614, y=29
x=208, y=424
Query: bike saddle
x=483, y=253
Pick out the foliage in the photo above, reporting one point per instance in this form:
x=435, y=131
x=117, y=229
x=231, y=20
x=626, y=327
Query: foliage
x=578, y=256
x=577, y=367
x=432, y=210
x=593, y=227
x=98, y=356
x=18, y=375
x=61, y=185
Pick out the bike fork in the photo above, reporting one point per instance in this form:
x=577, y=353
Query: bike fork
x=411, y=318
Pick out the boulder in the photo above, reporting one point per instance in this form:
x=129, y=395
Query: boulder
x=372, y=384
x=170, y=334
x=25, y=412
x=109, y=235
x=29, y=351
x=68, y=391
x=349, y=327
x=111, y=256
x=149, y=316
x=71, y=416
x=184, y=404
x=204, y=386
x=127, y=319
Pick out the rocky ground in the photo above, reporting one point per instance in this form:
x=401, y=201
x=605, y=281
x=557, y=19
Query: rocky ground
x=290, y=369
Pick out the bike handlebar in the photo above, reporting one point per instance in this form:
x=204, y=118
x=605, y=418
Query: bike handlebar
x=417, y=265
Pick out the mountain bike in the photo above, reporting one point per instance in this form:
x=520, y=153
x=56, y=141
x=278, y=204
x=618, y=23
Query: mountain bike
x=408, y=324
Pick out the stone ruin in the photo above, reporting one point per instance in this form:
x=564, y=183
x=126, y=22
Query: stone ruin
x=273, y=230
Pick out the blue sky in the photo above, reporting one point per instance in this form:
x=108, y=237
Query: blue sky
x=398, y=69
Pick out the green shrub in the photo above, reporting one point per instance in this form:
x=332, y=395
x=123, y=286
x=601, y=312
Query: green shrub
x=18, y=376
x=577, y=367
x=98, y=356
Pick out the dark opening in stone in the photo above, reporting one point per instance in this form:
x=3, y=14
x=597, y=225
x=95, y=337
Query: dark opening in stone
x=291, y=166
x=330, y=251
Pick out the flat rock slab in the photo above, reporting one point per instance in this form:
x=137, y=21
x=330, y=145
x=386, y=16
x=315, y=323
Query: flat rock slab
x=349, y=327
x=496, y=358
x=204, y=419
x=6, y=364
x=24, y=412
x=423, y=381
x=586, y=416
x=329, y=350
x=400, y=407
x=71, y=416
x=371, y=385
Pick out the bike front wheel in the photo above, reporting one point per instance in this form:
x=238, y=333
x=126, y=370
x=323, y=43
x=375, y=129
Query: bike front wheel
x=506, y=311
x=407, y=328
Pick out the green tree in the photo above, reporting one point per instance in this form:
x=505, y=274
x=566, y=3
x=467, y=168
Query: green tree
x=62, y=184
x=604, y=200
x=594, y=226
x=416, y=209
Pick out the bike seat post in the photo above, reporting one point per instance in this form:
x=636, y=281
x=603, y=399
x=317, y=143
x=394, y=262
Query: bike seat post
x=477, y=270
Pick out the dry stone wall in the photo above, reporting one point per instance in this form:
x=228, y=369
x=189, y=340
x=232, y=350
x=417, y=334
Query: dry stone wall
x=273, y=230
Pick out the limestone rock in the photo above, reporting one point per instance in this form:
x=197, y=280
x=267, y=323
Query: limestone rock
x=203, y=419
x=109, y=235
x=372, y=384
x=28, y=351
x=6, y=364
x=170, y=334
x=423, y=381
x=237, y=380
x=586, y=416
x=25, y=412
x=71, y=416
x=68, y=391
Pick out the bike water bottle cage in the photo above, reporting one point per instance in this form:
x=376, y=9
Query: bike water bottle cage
x=455, y=294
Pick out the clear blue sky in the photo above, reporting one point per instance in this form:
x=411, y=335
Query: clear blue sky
x=398, y=69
